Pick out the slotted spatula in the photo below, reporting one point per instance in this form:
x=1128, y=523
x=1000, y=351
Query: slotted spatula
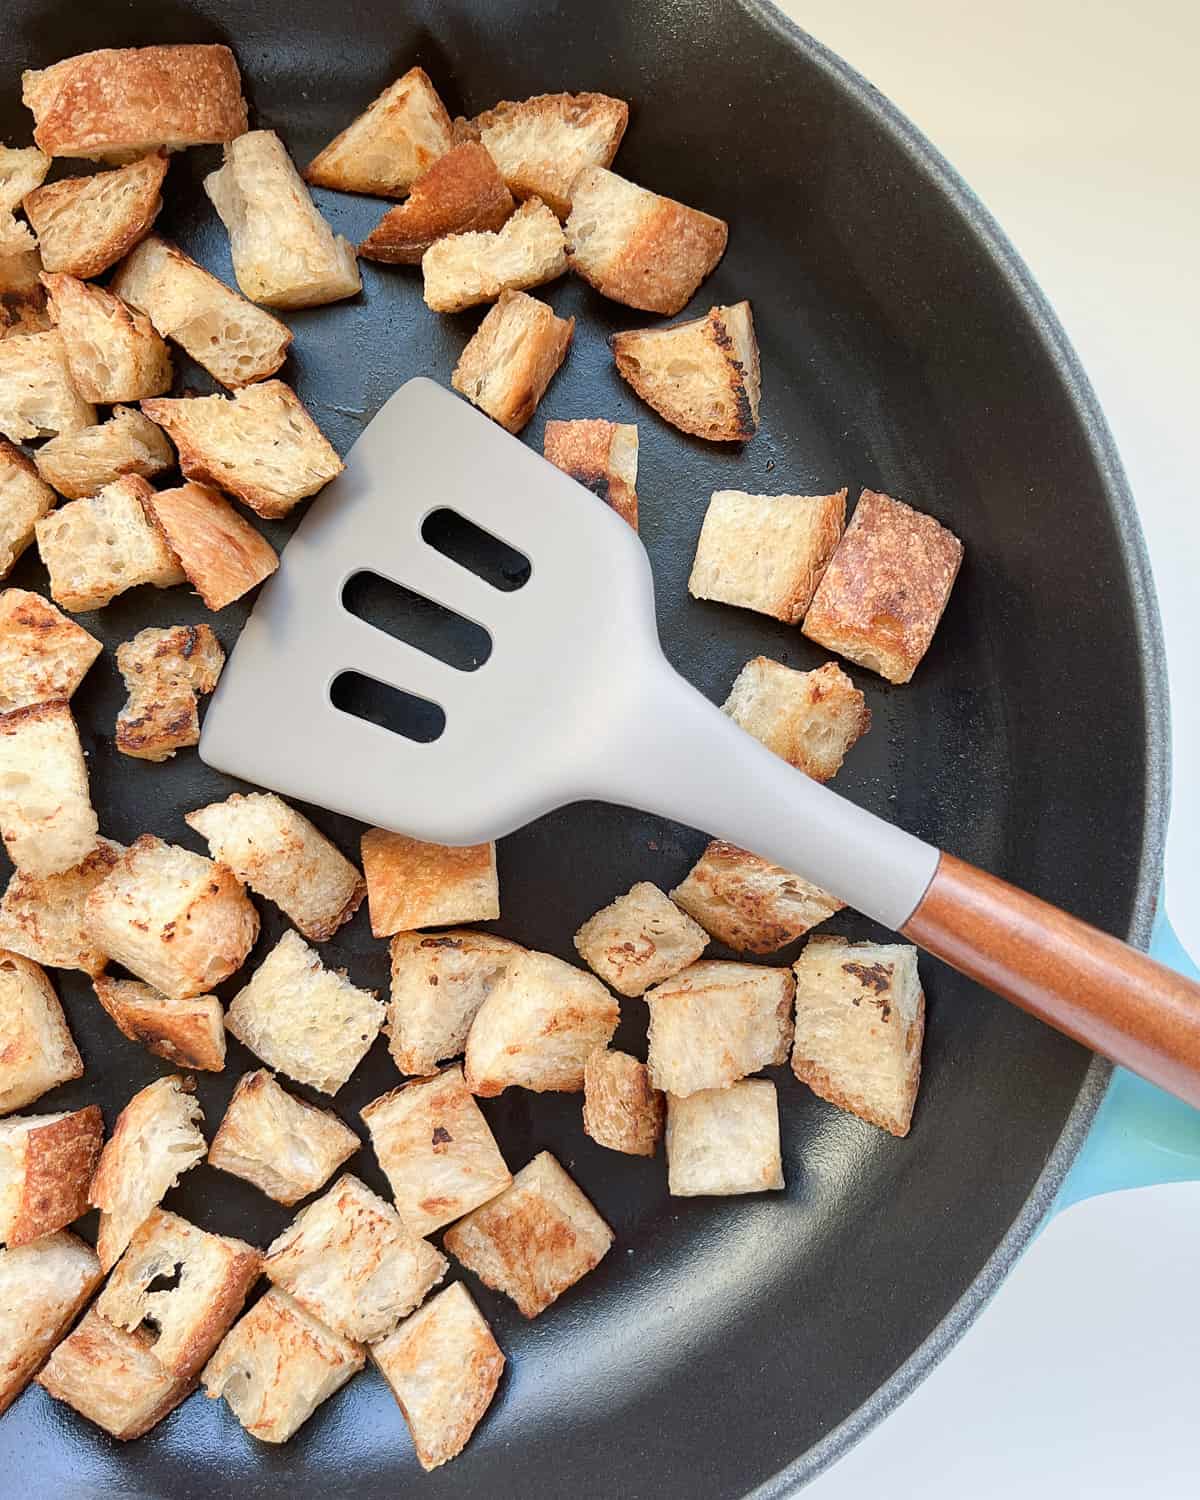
x=576, y=701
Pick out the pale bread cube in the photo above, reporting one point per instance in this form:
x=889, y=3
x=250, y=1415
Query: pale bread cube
x=397, y=138
x=22, y=169
x=511, y=359
x=860, y=1022
x=223, y=556
x=36, y=1049
x=601, y=456
x=463, y=270
x=24, y=500
x=113, y=351
x=38, y=398
x=46, y=1166
x=722, y=1141
x=436, y=1150
x=809, y=719
x=621, y=1108
x=461, y=192
x=43, y=1286
x=542, y=144
x=95, y=549
x=86, y=224
x=749, y=904
x=303, y=1019
x=79, y=464
x=188, y=1033
x=164, y=669
x=349, y=1260
x=42, y=916
x=439, y=981
x=716, y=1022
x=412, y=884
x=46, y=814
x=640, y=939
x=285, y=1147
x=43, y=655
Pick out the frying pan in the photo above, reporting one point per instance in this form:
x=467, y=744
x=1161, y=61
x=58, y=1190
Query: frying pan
x=723, y=1345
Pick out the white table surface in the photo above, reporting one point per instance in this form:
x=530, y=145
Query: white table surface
x=1075, y=122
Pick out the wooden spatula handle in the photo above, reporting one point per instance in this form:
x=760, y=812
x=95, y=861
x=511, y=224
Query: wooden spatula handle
x=1084, y=982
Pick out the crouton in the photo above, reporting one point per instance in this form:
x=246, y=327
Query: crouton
x=702, y=376
x=439, y=981
x=766, y=552
x=436, y=1150
x=22, y=169
x=303, y=1019
x=43, y=655
x=95, y=549
x=37, y=395
x=164, y=669
x=284, y=253
x=350, y=1261
x=86, y=224
x=639, y=939
x=46, y=815
x=749, y=904
x=46, y=1166
x=535, y=1240
x=387, y=148
x=172, y=918
x=716, y=1022
x=601, y=456
x=188, y=1033
x=211, y=1273
x=511, y=359
x=279, y=854
x=809, y=719
x=537, y=1026
x=461, y=193
x=24, y=500
x=42, y=917
x=43, y=1286
x=443, y=1367
x=221, y=553
x=118, y=103
x=413, y=884
x=885, y=588
x=465, y=269
x=259, y=444
x=621, y=1110
x=22, y=311
x=113, y=352
x=860, y=1021
x=78, y=464
x=236, y=342
x=155, y=1140
x=723, y=1141
x=36, y=1050
x=277, y=1365
x=285, y=1147
x=541, y=145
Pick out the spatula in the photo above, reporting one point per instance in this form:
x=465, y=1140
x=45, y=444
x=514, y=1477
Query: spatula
x=576, y=701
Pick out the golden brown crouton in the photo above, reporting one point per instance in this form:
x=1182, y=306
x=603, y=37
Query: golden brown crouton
x=221, y=553
x=37, y=395
x=43, y=1286
x=79, y=464
x=387, y=148
x=113, y=352
x=46, y=815
x=86, y=224
x=621, y=1108
x=542, y=144
x=809, y=719
x=46, y=1166
x=716, y=1022
x=601, y=456
x=24, y=500
x=748, y=903
x=462, y=192
x=639, y=939
x=41, y=916
x=413, y=884
x=722, y=1141
x=462, y=270
x=188, y=1033
x=36, y=1050
x=439, y=981
x=43, y=655
x=512, y=358
x=164, y=668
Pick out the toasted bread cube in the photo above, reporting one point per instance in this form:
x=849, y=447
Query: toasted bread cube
x=188, y=1033
x=79, y=464
x=387, y=148
x=443, y=1367
x=37, y=395
x=22, y=169
x=723, y=1141
x=43, y=655
x=86, y=224
x=46, y=815
x=285, y=1147
x=436, y=1150
x=809, y=719
x=439, y=981
x=541, y=145
x=601, y=456
x=46, y=1166
x=212, y=1275
x=350, y=1261
x=42, y=916
x=413, y=884
x=95, y=549
x=112, y=1378
x=860, y=1022
x=118, y=103
x=303, y=1019
x=886, y=587
x=512, y=358
x=537, y=1026
x=621, y=1108
x=36, y=1050
x=279, y=854
x=461, y=193
x=462, y=270
x=639, y=939
x=113, y=352
x=749, y=904
x=284, y=253
x=164, y=668
x=702, y=376
x=539, y=1237
x=221, y=553
x=24, y=500
x=43, y=1286
x=260, y=445
x=173, y=918
x=277, y=1365
x=716, y=1022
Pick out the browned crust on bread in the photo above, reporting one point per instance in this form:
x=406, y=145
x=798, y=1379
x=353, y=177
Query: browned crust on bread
x=818, y=1079
x=741, y=381
x=461, y=192
x=582, y=449
x=571, y=109
x=221, y=553
x=730, y=906
x=622, y=1110
x=543, y=349
x=407, y=879
x=324, y=170
x=184, y=1039
x=59, y=1161
x=87, y=258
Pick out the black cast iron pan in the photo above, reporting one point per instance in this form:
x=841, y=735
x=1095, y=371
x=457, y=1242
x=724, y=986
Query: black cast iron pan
x=723, y=1344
